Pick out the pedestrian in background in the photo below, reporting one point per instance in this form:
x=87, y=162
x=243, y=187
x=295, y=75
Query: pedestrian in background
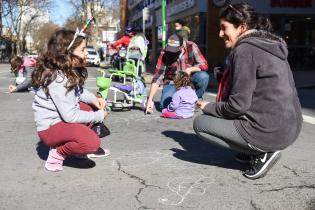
x=22, y=68
x=259, y=113
x=62, y=107
x=182, y=29
x=178, y=55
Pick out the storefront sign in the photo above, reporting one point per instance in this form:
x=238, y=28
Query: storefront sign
x=180, y=7
x=291, y=3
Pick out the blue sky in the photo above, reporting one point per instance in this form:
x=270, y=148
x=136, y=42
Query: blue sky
x=61, y=12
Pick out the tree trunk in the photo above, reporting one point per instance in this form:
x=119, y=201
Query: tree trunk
x=123, y=15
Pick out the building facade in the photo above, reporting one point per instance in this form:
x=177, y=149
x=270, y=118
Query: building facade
x=193, y=12
x=293, y=20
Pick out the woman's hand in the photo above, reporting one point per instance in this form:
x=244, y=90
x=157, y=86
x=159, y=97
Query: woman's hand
x=202, y=104
x=189, y=70
x=150, y=106
x=100, y=103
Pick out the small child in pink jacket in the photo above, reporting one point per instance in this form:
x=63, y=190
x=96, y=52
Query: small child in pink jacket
x=23, y=69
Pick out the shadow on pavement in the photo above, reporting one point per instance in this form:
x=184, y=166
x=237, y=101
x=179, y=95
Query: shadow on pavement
x=42, y=152
x=197, y=151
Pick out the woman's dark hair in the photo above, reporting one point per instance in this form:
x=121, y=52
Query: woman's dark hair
x=56, y=57
x=243, y=13
x=182, y=22
x=182, y=79
x=16, y=63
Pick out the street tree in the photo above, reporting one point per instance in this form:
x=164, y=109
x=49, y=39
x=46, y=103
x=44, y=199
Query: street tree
x=103, y=11
x=21, y=17
x=42, y=35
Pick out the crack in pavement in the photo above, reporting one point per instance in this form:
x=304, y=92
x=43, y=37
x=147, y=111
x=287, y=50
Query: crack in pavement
x=290, y=187
x=254, y=205
x=292, y=170
x=141, y=181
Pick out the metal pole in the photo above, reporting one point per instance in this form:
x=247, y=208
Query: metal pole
x=0, y=18
x=143, y=68
x=143, y=24
x=163, y=24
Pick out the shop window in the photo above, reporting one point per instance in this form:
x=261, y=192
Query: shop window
x=299, y=33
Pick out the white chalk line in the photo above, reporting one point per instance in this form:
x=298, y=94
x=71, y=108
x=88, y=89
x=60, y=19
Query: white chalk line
x=193, y=182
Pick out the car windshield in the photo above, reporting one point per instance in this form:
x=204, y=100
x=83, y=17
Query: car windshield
x=92, y=52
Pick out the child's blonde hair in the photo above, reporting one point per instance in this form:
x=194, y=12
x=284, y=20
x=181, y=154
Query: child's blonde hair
x=182, y=79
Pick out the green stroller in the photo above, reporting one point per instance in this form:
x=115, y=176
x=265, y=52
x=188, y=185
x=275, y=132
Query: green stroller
x=133, y=90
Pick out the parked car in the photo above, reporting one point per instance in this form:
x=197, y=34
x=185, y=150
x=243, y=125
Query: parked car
x=32, y=55
x=92, y=58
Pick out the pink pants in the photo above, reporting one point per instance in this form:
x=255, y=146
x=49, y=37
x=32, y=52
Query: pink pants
x=168, y=114
x=71, y=138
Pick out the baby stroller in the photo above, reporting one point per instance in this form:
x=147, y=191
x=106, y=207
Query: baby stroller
x=133, y=89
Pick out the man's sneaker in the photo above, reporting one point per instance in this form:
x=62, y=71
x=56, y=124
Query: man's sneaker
x=99, y=153
x=261, y=164
x=243, y=158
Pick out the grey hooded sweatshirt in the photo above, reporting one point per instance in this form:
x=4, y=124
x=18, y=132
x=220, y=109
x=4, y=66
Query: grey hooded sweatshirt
x=262, y=99
x=61, y=105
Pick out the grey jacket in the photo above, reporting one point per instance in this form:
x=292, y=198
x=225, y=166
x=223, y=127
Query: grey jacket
x=61, y=105
x=263, y=99
x=28, y=79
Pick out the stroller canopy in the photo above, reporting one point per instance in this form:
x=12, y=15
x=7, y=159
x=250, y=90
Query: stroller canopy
x=137, y=48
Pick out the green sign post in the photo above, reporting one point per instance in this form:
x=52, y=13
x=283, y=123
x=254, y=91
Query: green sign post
x=163, y=23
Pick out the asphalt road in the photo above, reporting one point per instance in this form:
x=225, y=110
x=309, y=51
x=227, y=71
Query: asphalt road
x=155, y=163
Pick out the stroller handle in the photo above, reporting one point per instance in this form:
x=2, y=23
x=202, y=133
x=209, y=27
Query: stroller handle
x=101, y=71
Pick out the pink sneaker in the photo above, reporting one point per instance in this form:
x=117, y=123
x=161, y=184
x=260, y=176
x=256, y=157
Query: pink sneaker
x=54, y=161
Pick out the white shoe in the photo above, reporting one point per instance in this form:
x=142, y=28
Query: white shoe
x=99, y=153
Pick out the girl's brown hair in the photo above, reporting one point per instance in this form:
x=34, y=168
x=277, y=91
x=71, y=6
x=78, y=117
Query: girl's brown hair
x=182, y=79
x=16, y=63
x=56, y=57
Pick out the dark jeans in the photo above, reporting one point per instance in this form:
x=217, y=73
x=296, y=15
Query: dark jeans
x=200, y=80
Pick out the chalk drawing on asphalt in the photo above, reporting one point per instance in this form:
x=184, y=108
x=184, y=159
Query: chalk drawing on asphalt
x=140, y=159
x=184, y=186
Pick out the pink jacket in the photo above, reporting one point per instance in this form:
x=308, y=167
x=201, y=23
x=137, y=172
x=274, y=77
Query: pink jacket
x=28, y=62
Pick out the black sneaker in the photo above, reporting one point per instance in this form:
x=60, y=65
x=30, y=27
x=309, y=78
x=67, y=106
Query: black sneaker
x=261, y=164
x=243, y=158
